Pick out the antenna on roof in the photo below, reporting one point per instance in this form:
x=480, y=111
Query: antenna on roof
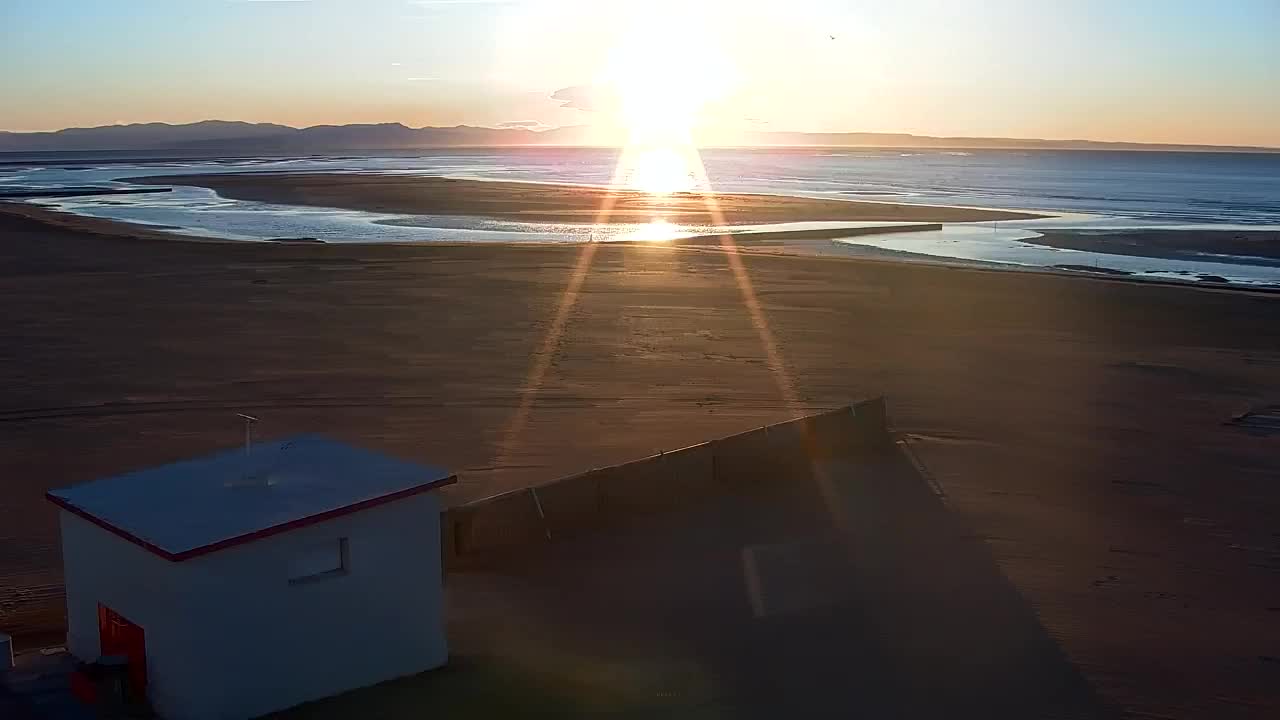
x=249, y=420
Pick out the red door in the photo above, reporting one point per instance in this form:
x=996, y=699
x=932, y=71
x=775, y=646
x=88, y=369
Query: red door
x=118, y=636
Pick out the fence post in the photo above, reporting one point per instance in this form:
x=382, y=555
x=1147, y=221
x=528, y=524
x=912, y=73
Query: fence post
x=541, y=515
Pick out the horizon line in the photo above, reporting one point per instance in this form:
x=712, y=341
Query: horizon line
x=548, y=129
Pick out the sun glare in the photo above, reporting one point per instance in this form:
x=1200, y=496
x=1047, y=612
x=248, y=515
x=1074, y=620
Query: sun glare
x=660, y=171
x=655, y=231
x=665, y=73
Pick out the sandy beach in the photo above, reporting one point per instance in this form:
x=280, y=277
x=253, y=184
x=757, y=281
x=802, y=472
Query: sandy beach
x=1076, y=424
x=553, y=203
x=483, y=358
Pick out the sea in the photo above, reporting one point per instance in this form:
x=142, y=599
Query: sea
x=1088, y=191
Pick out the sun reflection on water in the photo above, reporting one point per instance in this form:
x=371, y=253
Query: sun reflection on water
x=656, y=230
x=660, y=171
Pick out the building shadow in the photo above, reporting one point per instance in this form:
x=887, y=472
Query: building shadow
x=757, y=603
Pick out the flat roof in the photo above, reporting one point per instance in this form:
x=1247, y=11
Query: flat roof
x=198, y=506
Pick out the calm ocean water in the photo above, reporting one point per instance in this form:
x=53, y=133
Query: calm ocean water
x=1087, y=189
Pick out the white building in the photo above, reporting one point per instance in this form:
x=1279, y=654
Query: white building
x=247, y=582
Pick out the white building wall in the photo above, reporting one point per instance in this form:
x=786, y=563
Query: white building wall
x=146, y=589
x=228, y=637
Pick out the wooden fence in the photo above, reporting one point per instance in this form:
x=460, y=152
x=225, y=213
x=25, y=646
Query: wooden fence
x=775, y=453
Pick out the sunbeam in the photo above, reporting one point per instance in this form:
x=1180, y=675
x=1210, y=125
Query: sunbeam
x=661, y=93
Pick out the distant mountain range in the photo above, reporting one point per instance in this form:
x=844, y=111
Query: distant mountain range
x=221, y=136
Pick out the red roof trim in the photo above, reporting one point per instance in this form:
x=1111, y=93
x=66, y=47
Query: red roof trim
x=256, y=534
x=110, y=528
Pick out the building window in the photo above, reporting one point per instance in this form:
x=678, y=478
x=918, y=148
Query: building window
x=320, y=562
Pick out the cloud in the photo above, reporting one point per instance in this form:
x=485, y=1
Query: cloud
x=590, y=98
x=421, y=79
x=525, y=124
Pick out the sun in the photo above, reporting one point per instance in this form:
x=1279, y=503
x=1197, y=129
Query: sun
x=664, y=72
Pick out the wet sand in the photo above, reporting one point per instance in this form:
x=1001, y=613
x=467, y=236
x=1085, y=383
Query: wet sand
x=788, y=238
x=1247, y=246
x=75, y=192
x=1077, y=424
x=535, y=202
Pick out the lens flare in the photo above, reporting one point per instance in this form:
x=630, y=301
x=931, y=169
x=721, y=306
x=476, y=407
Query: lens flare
x=664, y=75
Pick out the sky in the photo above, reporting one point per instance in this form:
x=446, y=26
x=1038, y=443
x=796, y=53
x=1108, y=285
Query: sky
x=1137, y=70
